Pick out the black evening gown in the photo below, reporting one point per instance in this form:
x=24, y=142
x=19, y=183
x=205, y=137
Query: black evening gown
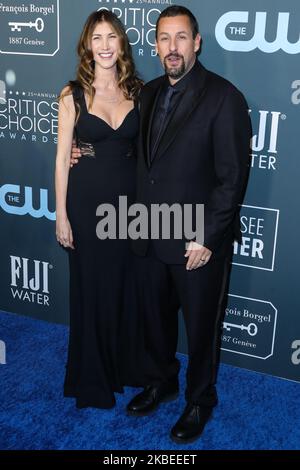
x=105, y=331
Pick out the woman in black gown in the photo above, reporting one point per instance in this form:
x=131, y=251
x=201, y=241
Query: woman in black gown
x=100, y=106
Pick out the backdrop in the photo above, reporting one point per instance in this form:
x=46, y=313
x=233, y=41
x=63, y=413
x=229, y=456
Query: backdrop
x=253, y=43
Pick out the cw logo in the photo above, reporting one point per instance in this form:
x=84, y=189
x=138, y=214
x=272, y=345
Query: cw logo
x=258, y=41
x=10, y=202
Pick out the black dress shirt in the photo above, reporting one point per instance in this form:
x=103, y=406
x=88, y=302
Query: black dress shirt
x=161, y=114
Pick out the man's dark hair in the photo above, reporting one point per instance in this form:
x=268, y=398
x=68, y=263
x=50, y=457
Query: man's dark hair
x=176, y=10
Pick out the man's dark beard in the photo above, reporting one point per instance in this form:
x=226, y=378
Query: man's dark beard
x=175, y=73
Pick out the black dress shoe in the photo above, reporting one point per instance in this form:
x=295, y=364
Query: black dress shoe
x=149, y=399
x=191, y=423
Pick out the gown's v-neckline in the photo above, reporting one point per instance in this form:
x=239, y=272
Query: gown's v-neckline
x=103, y=120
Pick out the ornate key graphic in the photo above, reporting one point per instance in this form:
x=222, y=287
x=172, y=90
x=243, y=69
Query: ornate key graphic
x=38, y=25
x=251, y=328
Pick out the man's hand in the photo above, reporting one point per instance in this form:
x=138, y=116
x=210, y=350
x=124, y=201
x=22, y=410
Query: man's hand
x=75, y=154
x=197, y=255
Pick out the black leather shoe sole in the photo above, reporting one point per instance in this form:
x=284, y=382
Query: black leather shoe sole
x=166, y=399
x=189, y=440
x=180, y=441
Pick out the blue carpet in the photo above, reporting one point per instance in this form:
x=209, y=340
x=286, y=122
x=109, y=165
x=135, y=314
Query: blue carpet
x=255, y=411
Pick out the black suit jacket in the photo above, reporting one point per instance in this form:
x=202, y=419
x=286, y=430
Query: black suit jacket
x=202, y=158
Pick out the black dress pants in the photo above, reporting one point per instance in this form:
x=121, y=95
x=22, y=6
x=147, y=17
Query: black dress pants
x=201, y=293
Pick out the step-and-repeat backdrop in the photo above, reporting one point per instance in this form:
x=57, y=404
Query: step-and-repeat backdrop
x=255, y=44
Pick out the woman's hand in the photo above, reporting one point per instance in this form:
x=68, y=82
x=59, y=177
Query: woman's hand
x=64, y=233
x=75, y=154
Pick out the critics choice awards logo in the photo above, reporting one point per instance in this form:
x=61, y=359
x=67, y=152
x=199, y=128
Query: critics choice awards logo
x=139, y=18
x=29, y=28
x=28, y=116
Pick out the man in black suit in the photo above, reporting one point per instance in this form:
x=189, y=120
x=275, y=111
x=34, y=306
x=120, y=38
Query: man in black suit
x=193, y=149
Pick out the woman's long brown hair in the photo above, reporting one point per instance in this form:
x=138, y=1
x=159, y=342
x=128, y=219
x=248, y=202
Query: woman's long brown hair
x=128, y=81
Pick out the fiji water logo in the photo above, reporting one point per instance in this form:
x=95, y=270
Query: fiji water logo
x=267, y=120
x=15, y=202
x=229, y=33
x=264, y=142
x=30, y=280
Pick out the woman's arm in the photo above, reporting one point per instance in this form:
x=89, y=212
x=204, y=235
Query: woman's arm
x=66, y=122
